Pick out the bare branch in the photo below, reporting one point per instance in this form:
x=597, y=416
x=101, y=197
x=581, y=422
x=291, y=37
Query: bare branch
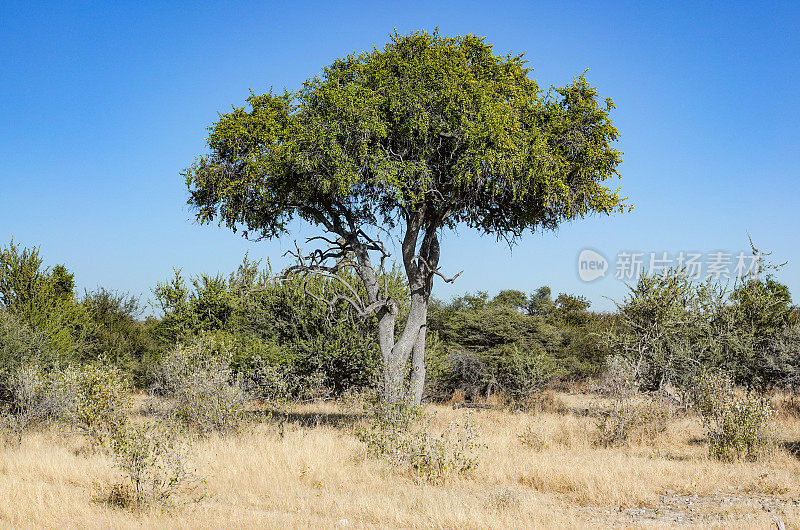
x=445, y=278
x=436, y=271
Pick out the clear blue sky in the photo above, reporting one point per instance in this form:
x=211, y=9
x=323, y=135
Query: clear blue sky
x=104, y=103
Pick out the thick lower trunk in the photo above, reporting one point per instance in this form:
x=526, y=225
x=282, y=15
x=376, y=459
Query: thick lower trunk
x=418, y=367
x=396, y=358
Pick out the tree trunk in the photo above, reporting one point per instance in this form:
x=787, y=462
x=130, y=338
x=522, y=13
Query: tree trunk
x=419, y=268
x=396, y=369
x=418, y=367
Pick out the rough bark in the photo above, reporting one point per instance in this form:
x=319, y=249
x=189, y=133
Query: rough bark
x=417, y=382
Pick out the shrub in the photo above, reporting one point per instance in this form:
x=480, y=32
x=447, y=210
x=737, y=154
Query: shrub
x=42, y=298
x=671, y=326
x=533, y=439
x=204, y=391
x=275, y=323
x=114, y=331
x=642, y=417
x=20, y=345
x=100, y=402
x=464, y=372
x=401, y=434
x=155, y=457
x=739, y=426
x=515, y=371
x=33, y=399
x=631, y=414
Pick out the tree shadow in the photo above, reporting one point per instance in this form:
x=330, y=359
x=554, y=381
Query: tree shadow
x=338, y=420
x=792, y=448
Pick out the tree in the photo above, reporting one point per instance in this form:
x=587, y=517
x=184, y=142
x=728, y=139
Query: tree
x=402, y=143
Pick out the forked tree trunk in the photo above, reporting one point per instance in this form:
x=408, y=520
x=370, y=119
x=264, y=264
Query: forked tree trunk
x=410, y=345
x=396, y=355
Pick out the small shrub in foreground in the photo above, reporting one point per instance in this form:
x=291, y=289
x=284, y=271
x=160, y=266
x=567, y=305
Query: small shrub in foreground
x=155, y=457
x=739, y=426
x=401, y=434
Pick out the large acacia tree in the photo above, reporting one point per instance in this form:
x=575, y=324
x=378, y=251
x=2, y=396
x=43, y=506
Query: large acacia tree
x=403, y=143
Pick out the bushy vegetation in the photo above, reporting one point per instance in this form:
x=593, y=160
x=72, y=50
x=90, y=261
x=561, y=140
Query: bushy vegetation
x=401, y=433
x=156, y=458
x=513, y=344
x=670, y=328
x=34, y=397
x=220, y=343
x=739, y=425
x=273, y=326
x=204, y=393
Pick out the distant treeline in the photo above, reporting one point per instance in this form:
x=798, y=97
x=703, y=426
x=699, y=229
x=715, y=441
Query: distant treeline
x=280, y=337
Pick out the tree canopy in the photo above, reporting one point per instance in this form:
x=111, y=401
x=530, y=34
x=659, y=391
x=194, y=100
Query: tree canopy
x=429, y=122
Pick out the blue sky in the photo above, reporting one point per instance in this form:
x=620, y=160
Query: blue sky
x=104, y=103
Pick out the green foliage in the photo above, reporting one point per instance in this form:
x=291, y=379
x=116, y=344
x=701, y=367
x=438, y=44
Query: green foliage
x=781, y=361
x=100, y=400
x=155, y=456
x=273, y=326
x=739, y=426
x=42, y=298
x=427, y=134
x=21, y=276
x=19, y=346
x=512, y=344
x=114, y=331
x=380, y=131
x=401, y=434
x=670, y=327
x=95, y=399
x=518, y=374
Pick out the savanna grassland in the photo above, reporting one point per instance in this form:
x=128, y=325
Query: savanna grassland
x=306, y=469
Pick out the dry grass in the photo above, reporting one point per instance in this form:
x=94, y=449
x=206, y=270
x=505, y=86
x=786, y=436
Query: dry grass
x=318, y=475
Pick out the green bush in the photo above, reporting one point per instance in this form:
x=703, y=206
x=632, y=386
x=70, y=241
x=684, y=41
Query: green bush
x=114, y=331
x=100, y=403
x=42, y=298
x=20, y=345
x=512, y=344
x=274, y=323
x=401, y=434
x=671, y=327
x=739, y=426
x=156, y=458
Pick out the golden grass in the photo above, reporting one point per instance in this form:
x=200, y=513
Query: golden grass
x=319, y=476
